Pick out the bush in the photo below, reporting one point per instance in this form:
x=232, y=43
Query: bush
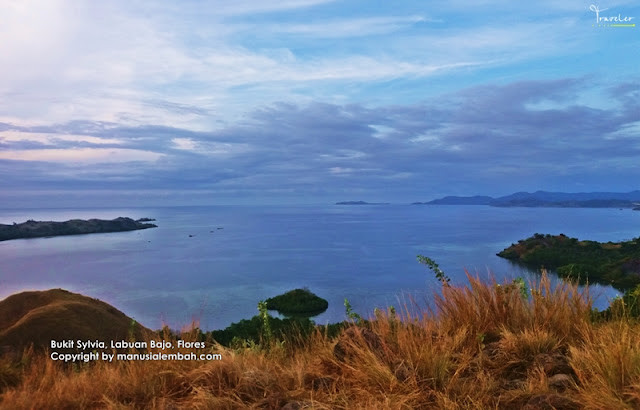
x=252, y=330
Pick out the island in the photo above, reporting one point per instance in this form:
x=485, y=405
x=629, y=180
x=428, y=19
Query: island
x=459, y=200
x=298, y=302
x=40, y=229
x=297, y=305
x=547, y=199
x=611, y=263
x=361, y=203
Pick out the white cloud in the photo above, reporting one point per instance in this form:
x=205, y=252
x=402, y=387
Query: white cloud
x=225, y=7
x=186, y=65
x=340, y=170
x=53, y=139
x=103, y=62
x=210, y=148
x=354, y=27
x=186, y=144
x=82, y=155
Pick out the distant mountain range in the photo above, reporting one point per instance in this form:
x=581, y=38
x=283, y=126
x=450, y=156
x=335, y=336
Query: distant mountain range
x=547, y=199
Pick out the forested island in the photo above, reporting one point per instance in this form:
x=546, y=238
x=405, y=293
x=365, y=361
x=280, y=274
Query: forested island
x=298, y=302
x=611, y=263
x=40, y=229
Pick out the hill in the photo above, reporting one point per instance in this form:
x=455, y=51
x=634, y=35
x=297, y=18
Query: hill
x=547, y=199
x=37, y=317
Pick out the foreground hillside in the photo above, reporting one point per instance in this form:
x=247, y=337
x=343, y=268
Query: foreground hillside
x=486, y=346
x=41, y=316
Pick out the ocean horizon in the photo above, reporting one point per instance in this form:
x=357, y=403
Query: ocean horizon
x=212, y=264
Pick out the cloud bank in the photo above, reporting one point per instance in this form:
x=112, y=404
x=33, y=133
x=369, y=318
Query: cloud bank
x=311, y=100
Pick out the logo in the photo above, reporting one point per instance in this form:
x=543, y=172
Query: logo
x=611, y=20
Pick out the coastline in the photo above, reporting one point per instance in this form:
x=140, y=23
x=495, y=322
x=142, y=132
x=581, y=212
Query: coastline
x=43, y=229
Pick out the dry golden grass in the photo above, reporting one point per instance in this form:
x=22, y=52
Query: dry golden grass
x=38, y=317
x=483, y=347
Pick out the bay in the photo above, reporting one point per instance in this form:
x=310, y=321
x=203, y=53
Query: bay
x=188, y=269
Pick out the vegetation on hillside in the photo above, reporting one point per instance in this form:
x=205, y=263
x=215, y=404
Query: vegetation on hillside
x=252, y=331
x=612, y=263
x=484, y=345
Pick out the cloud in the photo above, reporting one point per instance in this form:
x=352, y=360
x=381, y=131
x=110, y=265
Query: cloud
x=255, y=98
x=354, y=27
x=253, y=7
x=50, y=139
x=200, y=67
x=463, y=142
x=87, y=156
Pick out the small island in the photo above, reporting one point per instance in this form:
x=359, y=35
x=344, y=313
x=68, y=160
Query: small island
x=40, y=229
x=361, y=203
x=611, y=263
x=298, y=302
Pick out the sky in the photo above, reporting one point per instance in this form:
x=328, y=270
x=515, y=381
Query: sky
x=139, y=103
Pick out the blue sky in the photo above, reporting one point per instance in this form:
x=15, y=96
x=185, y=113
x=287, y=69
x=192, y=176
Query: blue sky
x=313, y=101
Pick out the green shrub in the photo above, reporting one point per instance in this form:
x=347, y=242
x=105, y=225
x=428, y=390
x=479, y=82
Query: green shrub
x=440, y=275
x=253, y=330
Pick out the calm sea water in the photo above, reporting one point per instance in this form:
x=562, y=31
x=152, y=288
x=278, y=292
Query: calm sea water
x=188, y=268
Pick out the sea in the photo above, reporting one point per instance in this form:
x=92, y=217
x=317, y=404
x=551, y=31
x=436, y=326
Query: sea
x=210, y=266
